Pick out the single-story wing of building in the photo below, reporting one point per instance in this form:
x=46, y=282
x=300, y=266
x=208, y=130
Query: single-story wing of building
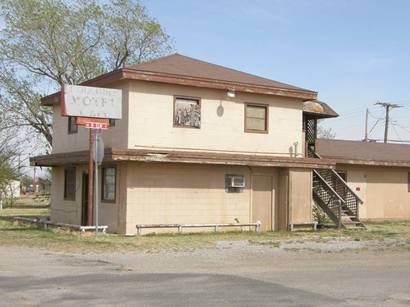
x=379, y=173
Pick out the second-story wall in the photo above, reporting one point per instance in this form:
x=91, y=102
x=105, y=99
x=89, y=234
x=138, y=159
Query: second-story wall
x=113, y=137
x=151, y=120
x=148, y=110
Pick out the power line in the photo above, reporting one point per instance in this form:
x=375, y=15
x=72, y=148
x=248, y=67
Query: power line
x=395, y=130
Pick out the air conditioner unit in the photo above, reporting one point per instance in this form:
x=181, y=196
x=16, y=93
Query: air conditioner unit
x=235, y=181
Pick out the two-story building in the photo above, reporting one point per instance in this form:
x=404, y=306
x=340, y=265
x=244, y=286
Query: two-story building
x=197, y=143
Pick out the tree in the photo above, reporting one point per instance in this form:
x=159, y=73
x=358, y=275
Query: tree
x=325, y=133
x=9, y=169
x=45, y=44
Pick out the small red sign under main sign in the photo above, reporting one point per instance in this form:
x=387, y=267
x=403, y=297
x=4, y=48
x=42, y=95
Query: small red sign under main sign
x=96, y=126
x=83, y=121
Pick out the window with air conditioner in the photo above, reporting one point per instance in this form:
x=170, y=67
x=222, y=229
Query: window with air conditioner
x=234, y=183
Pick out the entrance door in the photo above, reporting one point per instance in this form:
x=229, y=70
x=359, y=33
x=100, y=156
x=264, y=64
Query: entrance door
x=262, y=201
x=84, y=199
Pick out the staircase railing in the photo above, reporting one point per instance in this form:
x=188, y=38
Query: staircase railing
x=351, y=199
x=327, y=198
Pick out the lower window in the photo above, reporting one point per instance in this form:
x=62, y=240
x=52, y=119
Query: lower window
x=69, y=183
x=108, y=183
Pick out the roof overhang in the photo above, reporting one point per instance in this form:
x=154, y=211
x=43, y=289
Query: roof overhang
x=189, y=157
x=131, y=74
x=318, y=109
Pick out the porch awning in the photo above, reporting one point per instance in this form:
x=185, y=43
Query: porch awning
x=318, y=109
x=190, y=157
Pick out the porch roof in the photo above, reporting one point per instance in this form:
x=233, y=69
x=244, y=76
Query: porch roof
x=318, y=109
x=191, y=157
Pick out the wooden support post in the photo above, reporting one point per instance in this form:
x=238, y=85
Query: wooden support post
x=339, y=212
x=90, y=178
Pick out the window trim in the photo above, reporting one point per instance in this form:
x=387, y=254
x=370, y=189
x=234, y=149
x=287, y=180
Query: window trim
x=251, y=104
x=69, y=126
x=103, y=168
x=73, y=197
x=187, y=98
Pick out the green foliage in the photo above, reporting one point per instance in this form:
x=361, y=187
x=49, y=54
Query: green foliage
x=47, y=43
x=320, y=216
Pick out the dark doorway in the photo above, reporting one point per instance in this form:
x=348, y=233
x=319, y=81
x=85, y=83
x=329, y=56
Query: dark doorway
x=84, y=199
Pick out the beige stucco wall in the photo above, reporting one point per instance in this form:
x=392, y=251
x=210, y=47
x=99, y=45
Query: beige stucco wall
x=384, y=190
x=168, y=193
x=160, y=193
x=183, y=193
x=151, y=121
x=67, y=211
x=300, y=196
x=113, y=137
x=148, y=122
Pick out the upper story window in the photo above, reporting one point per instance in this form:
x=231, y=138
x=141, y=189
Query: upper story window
x=187, y=112
x=72, y=125
x=256, y=118
x=69, y=183
x=108, y=183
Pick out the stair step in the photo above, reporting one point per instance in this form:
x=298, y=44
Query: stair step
x=351, y=223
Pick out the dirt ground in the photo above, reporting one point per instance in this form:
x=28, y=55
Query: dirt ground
x=230, y=273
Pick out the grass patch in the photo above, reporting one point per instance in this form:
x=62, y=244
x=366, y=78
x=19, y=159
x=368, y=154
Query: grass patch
x=12, y=233
x=28, y=206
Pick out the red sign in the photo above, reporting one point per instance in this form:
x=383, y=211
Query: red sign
x=96, y=126
x=83, y=121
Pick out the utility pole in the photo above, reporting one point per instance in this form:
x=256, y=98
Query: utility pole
x=387, y=106
x=366, y=137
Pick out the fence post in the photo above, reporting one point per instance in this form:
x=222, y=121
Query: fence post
x=258, y=226
x=339, y=213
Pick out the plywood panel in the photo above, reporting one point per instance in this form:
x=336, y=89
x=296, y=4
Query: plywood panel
x=262, y=201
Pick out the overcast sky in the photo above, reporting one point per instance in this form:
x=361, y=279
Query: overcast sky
x=353, y=53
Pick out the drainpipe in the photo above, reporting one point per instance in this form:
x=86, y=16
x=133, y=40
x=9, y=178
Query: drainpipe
x=295, y=147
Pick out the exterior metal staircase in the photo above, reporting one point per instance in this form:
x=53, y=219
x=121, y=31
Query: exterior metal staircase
x=332, y=194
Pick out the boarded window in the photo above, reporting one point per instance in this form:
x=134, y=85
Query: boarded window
x=69, y=183
x=108, y=183
x=72, y=125
x=256, y=118
x=187, y=112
